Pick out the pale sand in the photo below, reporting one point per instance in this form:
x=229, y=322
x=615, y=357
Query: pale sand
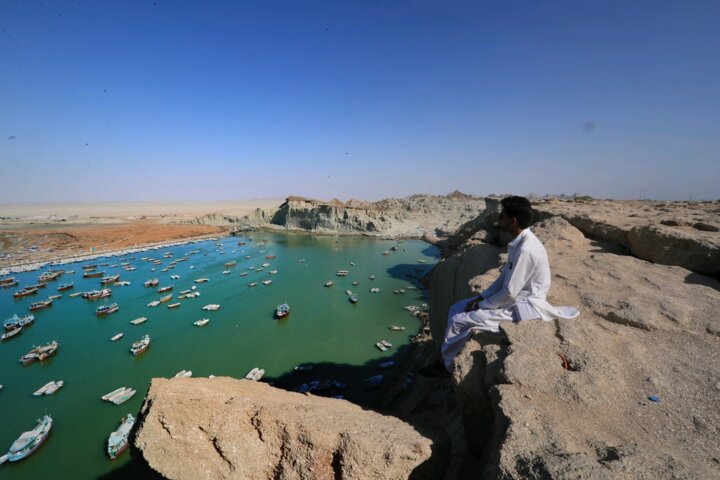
x=37, y=211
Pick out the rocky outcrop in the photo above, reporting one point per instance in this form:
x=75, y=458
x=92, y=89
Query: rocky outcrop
x=570, y=398
x=670, y=233
x=414, y=216
x=228, y=428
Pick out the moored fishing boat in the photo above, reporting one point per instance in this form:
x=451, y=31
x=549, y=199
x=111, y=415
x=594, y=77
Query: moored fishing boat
x=211, y=307
x=30, y=441
x=165, y=289
x=154, y=303
x=166, y=298
x=25, y=292
x=255, y=374
x=152, y=283
x=202, y=280
x=93, y=274
x=13, y=283
x=123, y=397
x=65, y=286
x=252, y=284
x=109, y=279
x=140, y=346
x=202, y=322
x=329, y=283
x=116, y=337
x=55, y=297
x=353, y=298
x=41, y=304
x=266, y=282
x=11, y=333
x=231, y=263
x=96, y=294
x=39, y=353
x=282, y=310
x=107, y=309
x=49, y=388
x=118, y=440
x=183, y=374
x=396, y=328
x=139, y=321
x=6, y=281
x=173, y=305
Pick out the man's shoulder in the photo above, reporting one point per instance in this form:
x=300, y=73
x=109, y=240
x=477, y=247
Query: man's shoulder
x=532, y=245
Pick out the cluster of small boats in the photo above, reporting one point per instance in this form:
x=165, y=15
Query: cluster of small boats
x=39, y=353
x=13, y=326
x=49, y=388
x=119, y=396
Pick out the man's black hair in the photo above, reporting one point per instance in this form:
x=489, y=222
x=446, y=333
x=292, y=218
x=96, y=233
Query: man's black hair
x=518, y=207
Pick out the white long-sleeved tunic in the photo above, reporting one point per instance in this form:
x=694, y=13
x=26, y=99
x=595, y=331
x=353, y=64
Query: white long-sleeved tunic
x=524, y=282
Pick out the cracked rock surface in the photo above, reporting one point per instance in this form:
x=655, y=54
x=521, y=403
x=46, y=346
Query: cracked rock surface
x=193, y=428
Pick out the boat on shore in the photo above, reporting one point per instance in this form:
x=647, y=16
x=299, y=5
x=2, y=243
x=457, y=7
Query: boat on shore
x=39, y=353
x=30, y=441
x=282, y=311
x=65, y=286
x=118, y=440
x=49, y=388
x=139, y=321
x=140, y=346
x=116, y=337
x=202, y=322
x=255, y=374
x=41, y=304
x=107, y=309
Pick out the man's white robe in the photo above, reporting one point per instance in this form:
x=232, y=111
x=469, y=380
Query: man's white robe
x=518, y=294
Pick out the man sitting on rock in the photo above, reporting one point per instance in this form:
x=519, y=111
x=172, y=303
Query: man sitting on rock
x=517, y=294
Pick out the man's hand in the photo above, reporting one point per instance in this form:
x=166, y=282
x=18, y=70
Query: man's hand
x=474, y=304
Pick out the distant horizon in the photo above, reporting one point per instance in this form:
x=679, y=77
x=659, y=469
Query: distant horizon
x=178, y=101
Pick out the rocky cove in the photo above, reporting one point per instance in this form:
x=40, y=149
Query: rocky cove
x=561, y=399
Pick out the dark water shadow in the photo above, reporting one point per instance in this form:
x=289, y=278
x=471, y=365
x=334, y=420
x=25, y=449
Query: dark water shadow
x=704, y=280
x=411, y=273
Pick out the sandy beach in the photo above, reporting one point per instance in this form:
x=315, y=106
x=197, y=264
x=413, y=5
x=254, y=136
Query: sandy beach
x=37, y=233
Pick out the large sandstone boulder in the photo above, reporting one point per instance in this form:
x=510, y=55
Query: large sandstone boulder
x=226, y=428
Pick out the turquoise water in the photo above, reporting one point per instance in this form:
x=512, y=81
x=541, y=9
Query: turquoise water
x=323, y=328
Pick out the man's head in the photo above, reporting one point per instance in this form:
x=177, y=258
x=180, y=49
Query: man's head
x=516, y=214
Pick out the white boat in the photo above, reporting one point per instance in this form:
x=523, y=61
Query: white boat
x=385, y=343
x=30, y=441
x=118, y=440
x=140, y=346
x=375, y=290
x=43, y=390
x=202, y=322
x=54, y=387
x=211, y=307
x=173, y=305
x=255, y=374
x=138, y=321
x=265, y=265
x=10, y=334
x=396, y=328
x=115, y=392
x=381, y=347
x=273, y=272
x=154, y=303
x=252, y=284
x=202, y=280
x=183, y=374
x=267, y=282
x=116, y=337
x=174, y=277
x=226, y=272
x=123, y=397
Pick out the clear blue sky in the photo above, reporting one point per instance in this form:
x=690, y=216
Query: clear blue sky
x=168, y=100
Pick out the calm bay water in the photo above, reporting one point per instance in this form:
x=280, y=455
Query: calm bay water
x=323, y=328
